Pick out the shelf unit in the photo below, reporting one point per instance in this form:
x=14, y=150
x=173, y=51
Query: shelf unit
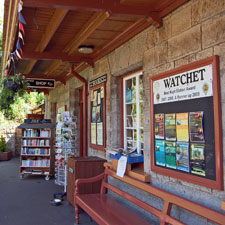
x=37, y=155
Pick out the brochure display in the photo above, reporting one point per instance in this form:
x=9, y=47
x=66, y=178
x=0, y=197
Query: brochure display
x=65, y=145
x=98, y=116
x=186, y=125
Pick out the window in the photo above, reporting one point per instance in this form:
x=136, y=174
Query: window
x=133, y=108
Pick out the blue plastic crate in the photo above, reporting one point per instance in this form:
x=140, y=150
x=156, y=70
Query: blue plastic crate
x=133, y=158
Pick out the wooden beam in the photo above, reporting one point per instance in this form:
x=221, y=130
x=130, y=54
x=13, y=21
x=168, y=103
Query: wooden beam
x=57, y=56
x=171, y=5
x=50, y=30
x=113, y=6
x=10, y=32
x=95, y=21
x=131, y=31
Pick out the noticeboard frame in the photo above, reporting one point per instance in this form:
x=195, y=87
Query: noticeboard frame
x=203, y=181
x=96, y=146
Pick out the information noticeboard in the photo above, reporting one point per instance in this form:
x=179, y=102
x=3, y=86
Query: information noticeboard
x=186, y=134
x=97, y=117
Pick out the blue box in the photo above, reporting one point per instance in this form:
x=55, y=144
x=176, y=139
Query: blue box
x=132, y=158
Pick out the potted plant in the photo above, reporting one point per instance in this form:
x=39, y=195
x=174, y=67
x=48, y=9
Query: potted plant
x=5, y=154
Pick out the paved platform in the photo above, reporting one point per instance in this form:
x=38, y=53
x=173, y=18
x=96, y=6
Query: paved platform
x=27, y=201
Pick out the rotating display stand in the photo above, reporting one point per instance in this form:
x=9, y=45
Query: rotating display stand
x=65, y=146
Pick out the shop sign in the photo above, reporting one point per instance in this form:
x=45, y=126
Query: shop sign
x=40, y=83
x=188, y=85
x=98, y=81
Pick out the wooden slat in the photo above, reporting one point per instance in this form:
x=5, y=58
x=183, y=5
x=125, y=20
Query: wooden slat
x=114, y=6
x=170, y=198
x=95, y=21
x=49, y=32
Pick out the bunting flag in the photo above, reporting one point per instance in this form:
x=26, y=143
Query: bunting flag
x=20, y=7
x=6, y=70
x=20, y=36
x=18, y=53
x=21, y=19
x=21, y=27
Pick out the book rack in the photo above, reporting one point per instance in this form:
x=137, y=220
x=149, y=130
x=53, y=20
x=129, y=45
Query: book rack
x=36, y=157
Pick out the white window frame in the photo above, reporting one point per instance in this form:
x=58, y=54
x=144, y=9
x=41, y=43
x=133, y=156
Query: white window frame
x=138, y=114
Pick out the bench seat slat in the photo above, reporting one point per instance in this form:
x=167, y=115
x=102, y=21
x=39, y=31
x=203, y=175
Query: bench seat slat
x=105, y=210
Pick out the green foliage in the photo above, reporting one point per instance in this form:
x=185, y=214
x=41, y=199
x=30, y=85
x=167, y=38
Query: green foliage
x=11, y=89
x=3, y=145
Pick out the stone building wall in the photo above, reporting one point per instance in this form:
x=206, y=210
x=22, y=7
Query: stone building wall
x=192, y=32
x=12, y=135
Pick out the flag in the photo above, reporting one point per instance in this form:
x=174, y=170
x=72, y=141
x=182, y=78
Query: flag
x=18, y=54
x=21, y=19
x=21, y=36
x=18, y=45
x=21, y=27
x=20, y=7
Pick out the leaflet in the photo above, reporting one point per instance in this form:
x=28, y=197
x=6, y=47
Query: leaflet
x=170, y=148
x=198, y=159
x=182, y=156
x=182, y=127
x=160, y=157
x=159, y=126
x=170, y=127
x=196, y=126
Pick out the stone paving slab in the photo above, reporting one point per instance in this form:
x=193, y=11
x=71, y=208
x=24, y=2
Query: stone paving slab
x=27, y=201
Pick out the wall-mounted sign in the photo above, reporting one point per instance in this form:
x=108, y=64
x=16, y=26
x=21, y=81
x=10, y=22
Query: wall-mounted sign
x=40, y=83
x=188, y=85
x=98, y=81
x=186, y=129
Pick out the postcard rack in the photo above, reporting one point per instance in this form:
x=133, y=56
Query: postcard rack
x=65, y=145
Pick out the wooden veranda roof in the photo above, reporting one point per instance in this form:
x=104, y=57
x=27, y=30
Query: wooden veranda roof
x=56, y=28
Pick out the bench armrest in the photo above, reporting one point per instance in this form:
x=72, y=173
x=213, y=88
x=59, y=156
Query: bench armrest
x=87, y=180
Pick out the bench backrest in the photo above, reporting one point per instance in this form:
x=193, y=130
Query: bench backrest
x=169, y=200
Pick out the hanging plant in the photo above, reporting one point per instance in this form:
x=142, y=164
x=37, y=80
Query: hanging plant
x=12, y=88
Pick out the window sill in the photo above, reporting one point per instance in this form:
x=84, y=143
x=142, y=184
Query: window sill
x=134, y=170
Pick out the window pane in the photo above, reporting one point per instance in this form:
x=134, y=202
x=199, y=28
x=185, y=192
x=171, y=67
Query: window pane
x=142, y=139
x=141, y=91
x=141, y=114
x=131, y=90
x=131, y=138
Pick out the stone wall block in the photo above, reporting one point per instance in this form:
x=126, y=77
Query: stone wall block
x=185, y=43
x=137, y=47
x=160, y=69
x=201, y=10
x=213, y=32
x=152, y=37
x=181, y=21
x=156, y=56
x=164, y=32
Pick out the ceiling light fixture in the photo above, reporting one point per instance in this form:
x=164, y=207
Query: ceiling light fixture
x=86, y=49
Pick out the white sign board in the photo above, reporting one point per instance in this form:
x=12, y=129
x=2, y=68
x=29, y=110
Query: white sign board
x=188, y=85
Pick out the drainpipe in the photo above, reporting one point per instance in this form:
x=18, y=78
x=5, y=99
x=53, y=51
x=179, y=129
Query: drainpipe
x=84, y=97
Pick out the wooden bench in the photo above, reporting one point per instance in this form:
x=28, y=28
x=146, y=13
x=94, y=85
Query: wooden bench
x=106, y=210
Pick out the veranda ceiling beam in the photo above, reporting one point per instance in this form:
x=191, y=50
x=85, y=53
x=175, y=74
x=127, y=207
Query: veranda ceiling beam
x=113, y=6
x=57, y=56
x=50, y=30
x=95, y=21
